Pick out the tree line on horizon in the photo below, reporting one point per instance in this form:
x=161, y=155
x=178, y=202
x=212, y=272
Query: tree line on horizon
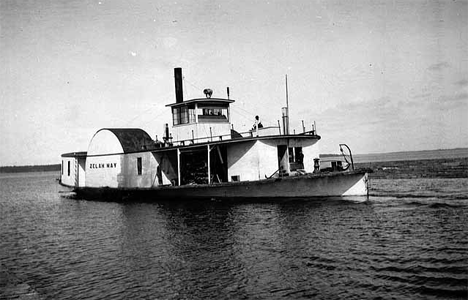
x=33, y=168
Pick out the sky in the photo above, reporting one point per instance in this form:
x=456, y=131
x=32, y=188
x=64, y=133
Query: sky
x=380, y=76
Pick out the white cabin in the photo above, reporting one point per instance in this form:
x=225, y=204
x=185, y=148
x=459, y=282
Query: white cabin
x=201, y=148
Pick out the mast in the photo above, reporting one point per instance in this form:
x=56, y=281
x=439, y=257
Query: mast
x=287, y=96
x=286, y=111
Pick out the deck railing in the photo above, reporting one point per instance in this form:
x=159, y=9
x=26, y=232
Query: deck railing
x=264, y=131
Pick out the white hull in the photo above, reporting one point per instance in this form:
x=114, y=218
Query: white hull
x=314, y=185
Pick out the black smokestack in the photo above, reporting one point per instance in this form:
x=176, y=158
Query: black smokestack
x=178, y=85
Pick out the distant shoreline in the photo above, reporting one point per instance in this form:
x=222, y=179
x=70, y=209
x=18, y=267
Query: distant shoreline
x=26, y=169
x=412, y=155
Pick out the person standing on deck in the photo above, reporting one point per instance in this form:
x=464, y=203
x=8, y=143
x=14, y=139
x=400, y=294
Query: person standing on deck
x=257, y=123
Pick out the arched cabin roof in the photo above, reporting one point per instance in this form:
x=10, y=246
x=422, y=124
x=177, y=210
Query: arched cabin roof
x=130, y=139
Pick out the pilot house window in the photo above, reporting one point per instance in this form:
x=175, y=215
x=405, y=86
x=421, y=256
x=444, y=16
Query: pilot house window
x=183, y=115
x=139, y=166
x=213, y=114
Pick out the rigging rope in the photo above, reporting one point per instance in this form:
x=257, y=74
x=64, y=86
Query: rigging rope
x=251, y=116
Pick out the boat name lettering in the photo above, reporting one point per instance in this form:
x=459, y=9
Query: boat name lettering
x=100, y=166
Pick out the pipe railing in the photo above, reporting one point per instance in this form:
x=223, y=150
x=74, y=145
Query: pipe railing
x=350, y=155
x=211, y=138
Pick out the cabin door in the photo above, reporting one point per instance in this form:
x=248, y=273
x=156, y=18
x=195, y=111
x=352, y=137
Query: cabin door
x=283, y=159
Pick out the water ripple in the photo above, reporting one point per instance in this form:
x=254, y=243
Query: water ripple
x=53, y=247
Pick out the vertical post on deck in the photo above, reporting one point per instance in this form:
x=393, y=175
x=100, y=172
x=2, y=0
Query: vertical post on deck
x=287, y=105
x=178, y=167
x=285, y=121
x=209, y=163
x=287, y=94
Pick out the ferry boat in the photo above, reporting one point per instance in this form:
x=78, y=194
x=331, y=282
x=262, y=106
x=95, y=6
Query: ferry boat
x=203, y=156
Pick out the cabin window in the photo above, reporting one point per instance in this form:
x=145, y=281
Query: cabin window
x=191, y=114
x=139, y=166
x=296, y=158
x=295, y=154
x=213, y=114
x=68, y=168
x=183, y=115
x=235, y=178
x=175, y=116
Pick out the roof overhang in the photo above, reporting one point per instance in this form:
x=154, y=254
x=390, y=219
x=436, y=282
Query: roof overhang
x=207, y=101
x=75, y=154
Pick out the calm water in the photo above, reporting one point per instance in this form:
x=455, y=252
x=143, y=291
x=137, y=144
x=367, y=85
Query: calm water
x=409, y=241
